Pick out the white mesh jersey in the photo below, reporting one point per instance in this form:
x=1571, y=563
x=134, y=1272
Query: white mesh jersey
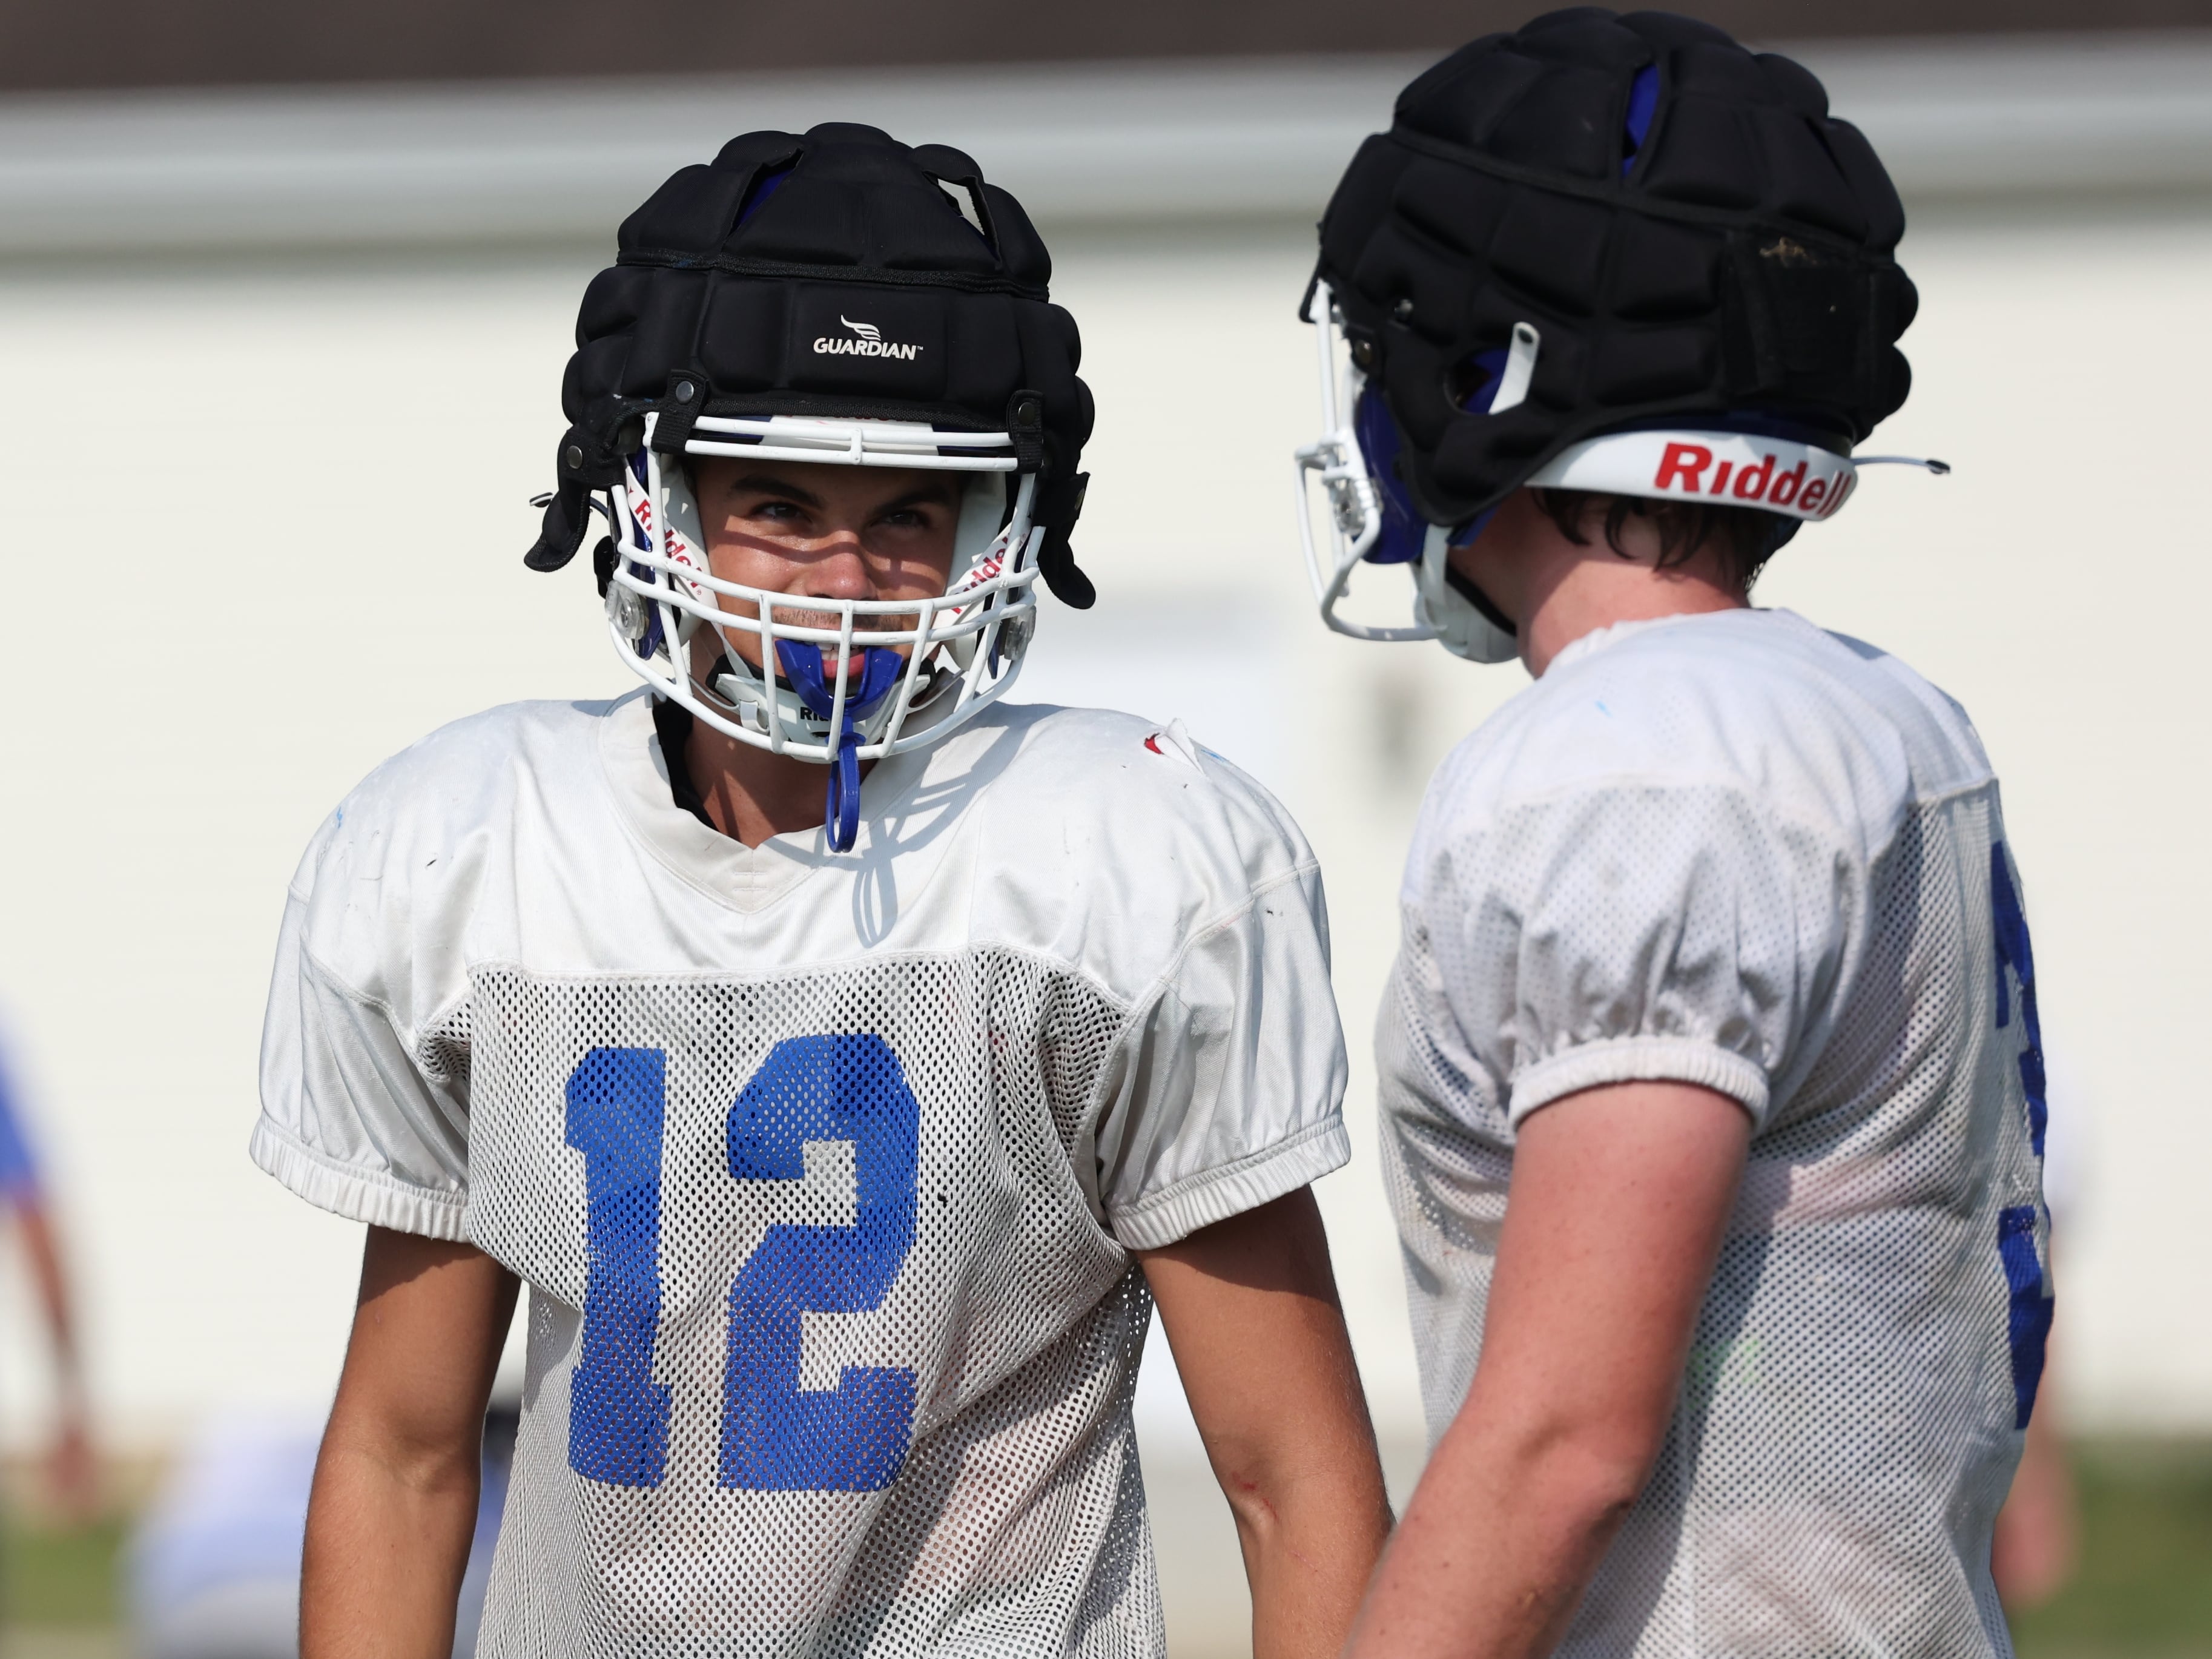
x=824, y=1171
x=1736, y=851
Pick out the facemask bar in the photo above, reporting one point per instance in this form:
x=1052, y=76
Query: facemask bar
x=1355, y=507
x=965, y=646
x=852, y=443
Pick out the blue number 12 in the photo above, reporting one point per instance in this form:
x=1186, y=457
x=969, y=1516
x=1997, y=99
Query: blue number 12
x=775, y=1435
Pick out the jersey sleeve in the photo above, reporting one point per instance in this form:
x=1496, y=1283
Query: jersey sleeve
x=19, y=1169
x=1228, y=1087
x=1638, y=931
x=351, y=1118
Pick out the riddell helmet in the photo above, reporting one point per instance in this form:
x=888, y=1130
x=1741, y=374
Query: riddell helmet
x=835, y=298
x=1611, y=254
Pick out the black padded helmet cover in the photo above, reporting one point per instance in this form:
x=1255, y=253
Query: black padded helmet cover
x=831, y=274
x=1736, y=256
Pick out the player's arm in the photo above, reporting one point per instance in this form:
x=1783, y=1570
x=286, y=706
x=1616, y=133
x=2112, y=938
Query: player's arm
x=1250, y=1308
x=2038, y=1539
x=396, y=1486
x=70, y=1472
x=1619, y=1202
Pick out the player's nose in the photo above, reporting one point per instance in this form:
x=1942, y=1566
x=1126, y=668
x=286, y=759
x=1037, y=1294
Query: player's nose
x=838, y=571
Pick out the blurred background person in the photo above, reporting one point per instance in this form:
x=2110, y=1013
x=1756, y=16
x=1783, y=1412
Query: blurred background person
x=214, y=1569
x=71, y=1479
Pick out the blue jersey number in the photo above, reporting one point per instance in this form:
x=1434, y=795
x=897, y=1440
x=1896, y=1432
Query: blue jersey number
x=776, y=1437
x=618, y=1414
x=2029, y=1317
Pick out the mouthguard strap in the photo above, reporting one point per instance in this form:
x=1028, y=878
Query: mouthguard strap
x=880, y=668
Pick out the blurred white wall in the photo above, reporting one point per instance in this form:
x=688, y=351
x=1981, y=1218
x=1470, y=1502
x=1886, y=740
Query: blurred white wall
x=268, y=511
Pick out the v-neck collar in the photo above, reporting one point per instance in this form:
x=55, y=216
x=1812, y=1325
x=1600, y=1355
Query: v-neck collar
x=748, y=879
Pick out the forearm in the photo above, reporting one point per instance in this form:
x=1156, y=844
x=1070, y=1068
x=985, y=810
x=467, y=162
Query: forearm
x=394, y=1505
x=43, y=1252
x=72, y=1475
x=1309, y=1543
x=1619, y=1200
x=1251, y=1311
x=1497, y=1545
x=387, y=1542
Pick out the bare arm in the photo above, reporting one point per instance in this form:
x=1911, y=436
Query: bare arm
x=1250, y=1309
x=2039, y=1530
x=396, y=1485
x=1619, y=1202
x=69, y=1473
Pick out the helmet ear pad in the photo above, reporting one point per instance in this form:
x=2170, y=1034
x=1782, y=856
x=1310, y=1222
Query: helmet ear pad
x=984, y=507
x=1465, y=623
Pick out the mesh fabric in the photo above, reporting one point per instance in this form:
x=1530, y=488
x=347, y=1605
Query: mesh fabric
x=1847, y=1426
x=824, y=1171
x=1015, y=1523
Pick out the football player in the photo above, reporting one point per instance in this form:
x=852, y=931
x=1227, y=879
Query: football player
x=71, y=1469
x=1710, y=1066
x=845, y=1058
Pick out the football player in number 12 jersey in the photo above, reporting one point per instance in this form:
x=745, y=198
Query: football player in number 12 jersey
x=844, y=1058
x=1710, y=1072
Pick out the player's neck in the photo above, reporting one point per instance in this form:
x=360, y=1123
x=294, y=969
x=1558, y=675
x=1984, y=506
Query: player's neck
x=1571, y=597
x=751, y=794
x=1556, y=589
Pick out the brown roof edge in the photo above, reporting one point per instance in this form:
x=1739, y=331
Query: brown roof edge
x=88, y=44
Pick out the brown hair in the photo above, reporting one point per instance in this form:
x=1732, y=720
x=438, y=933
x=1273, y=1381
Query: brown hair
x=1742, y=538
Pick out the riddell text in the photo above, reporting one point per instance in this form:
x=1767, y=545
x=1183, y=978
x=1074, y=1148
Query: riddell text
x=1683, y=467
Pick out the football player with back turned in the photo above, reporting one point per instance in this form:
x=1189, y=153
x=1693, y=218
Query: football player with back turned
x=1710, y=1077
x=845, y=1058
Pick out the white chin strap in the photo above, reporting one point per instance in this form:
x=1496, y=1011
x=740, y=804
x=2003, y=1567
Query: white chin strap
x=1453, y=620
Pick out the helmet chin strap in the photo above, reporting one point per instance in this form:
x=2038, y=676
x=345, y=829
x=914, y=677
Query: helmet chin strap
x=1464, y=586
x=1468, y=624
x=880, y=668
